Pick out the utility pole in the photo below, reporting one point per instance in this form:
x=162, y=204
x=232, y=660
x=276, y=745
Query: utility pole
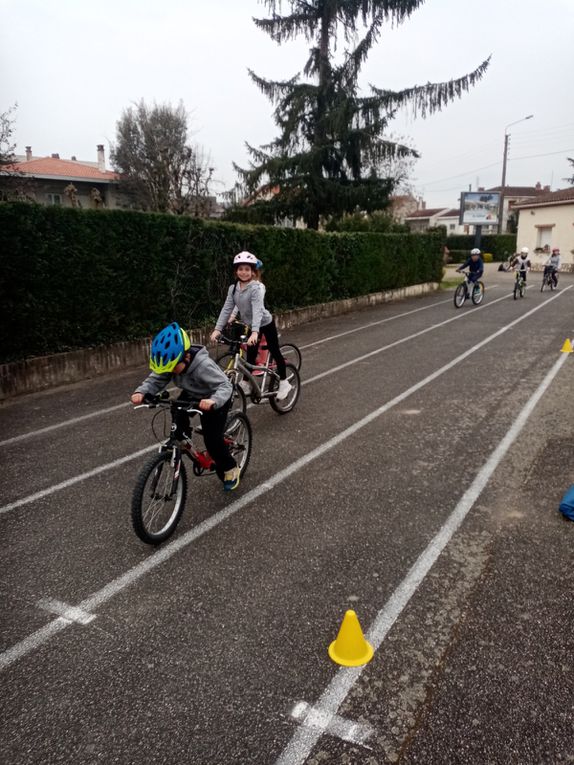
x=504, y=160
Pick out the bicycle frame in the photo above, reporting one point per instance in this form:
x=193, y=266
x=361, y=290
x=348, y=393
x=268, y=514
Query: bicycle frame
x=242, y=366
x=201, y=459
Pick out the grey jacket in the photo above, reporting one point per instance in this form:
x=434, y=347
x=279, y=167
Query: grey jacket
x=203, y=379
x=250, y=302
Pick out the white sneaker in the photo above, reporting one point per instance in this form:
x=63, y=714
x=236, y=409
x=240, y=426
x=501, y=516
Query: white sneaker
x=285, y=388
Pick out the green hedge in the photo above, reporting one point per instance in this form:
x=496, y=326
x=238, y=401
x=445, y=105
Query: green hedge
x=77, y=278
x=500, y=245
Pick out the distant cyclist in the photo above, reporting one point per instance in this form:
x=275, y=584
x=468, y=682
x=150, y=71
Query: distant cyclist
x=475, y=265
x=552, y=265
x=522, y=263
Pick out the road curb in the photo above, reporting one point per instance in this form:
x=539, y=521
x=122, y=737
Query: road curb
x=43, y=372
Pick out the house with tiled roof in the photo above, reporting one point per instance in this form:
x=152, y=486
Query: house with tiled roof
x=513, y=194
x=66, y=182
x=545, y=222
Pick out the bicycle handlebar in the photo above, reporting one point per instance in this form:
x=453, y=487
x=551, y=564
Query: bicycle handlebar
x=163, y=401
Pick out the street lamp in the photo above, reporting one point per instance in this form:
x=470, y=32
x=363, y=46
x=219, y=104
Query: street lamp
x=504, y=158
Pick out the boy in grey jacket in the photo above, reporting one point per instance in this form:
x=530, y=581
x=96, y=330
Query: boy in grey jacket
x=202, y=382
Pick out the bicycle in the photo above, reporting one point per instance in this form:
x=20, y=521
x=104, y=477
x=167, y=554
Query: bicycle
x=289, y=351
x=549, y=279
x=160, y=491
x=238, y=369
x=463, y=291
x=519, y=285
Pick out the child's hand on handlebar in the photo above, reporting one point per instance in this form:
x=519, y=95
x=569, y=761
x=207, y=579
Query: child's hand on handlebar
x=137, y=398
x=215, y=335
x=206, y=404
x=253, y=338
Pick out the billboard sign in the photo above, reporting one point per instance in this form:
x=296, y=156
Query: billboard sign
x=479, y=208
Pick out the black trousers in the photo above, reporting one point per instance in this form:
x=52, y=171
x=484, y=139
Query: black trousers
x=269, y=332
x=213, y=427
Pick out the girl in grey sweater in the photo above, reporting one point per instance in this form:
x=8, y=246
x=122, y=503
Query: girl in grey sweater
x=247, y=296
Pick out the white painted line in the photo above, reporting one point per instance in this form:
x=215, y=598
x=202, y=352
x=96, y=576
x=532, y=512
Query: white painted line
x=380, y=321
x=107, y=410
x=33, y=641
x=70, y=613
x=65, y=423
x=331, y=699
x=402, y=340
x=334, y=725
x=110, y=465
x=165, y=553
x=76, y=479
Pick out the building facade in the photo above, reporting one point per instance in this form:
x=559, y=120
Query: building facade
x=547, y=222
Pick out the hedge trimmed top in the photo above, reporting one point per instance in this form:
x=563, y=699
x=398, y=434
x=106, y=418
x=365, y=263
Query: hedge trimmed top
x=78, y=278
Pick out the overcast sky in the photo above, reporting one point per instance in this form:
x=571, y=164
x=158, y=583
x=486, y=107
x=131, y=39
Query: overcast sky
x=73, y=65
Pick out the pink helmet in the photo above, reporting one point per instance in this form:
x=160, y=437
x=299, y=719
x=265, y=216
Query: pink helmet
x=245, y=258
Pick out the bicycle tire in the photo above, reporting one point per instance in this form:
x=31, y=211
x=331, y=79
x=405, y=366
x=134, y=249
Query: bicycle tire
x=282, y=407
x=235, y=421
x=515, y=293
x=552, y=285
x=522, y=289
x=156, y=464
x=459, y=296
x=291, y=354
x=543, y=284
x=478, y=293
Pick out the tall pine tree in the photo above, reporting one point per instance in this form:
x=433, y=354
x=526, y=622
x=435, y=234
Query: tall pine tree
x=326, y=160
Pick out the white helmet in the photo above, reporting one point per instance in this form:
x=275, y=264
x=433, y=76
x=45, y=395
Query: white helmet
x=245, y=258
x=475, y=251
x=524, y=251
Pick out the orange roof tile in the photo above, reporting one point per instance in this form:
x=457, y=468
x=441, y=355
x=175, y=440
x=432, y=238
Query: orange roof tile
x=62, y=168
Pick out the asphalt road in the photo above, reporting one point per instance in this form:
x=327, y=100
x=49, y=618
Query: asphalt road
x=417, y=482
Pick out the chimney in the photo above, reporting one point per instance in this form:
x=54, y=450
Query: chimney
x=546, y=188
x=28, y=153
x=73, y=158
x=101, y=158
x=538, y=186
x=55, y=156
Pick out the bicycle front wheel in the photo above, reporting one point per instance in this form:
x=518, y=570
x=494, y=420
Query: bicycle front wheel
x=158, y=498
x=292, y=355
x=478, y=293
x=286, y=404
x=239, y=437
x=522, y=289
x=516, y=290
x=459, y=295
x=543, y=284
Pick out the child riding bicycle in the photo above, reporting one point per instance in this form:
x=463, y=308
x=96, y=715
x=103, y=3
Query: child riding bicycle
x=191, y=369
x=552, y=265
x=475, y=266
x=247, y=296
x=522, y=264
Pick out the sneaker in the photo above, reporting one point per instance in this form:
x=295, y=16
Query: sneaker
x=231, y=479
x=285, y=388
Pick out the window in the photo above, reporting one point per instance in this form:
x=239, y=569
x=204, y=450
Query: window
x=544, y=237
x=54, y=199
x=451, y=226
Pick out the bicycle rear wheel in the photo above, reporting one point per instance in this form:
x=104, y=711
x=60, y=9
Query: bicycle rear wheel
x=158, y=498
x=478, y=293
x=239, y=437
x=286, y=404
x=459, y=295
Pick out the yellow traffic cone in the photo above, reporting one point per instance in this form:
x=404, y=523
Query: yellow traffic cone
x=350, y=648
x=567, y=347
